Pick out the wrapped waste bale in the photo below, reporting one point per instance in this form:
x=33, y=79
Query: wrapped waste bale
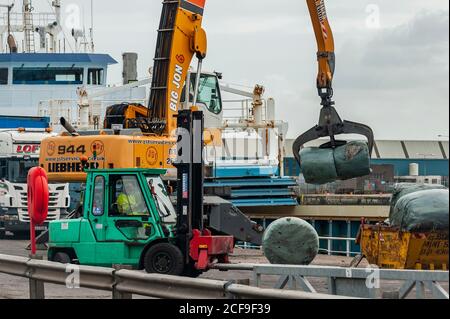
x=325, y=165
x=403, y=189
x=422, y=211
x=318, y=165
x=290, y=241
x=352, y=160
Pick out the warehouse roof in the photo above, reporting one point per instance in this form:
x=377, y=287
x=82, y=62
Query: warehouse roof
x=396, y=149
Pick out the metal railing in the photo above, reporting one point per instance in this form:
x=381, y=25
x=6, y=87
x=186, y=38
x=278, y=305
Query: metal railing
x=125, y=283
x=357, y=282
x=329, y=251
x=341, y=282
x=347, y=200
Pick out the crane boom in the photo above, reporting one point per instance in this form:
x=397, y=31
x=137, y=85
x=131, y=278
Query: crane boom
x=325, y=44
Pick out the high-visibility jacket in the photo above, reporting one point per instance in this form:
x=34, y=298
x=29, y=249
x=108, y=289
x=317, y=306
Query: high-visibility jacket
x=127, y=204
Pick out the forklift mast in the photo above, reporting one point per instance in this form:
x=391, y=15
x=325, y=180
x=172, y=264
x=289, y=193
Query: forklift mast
x=196, y=241
x=189, y=165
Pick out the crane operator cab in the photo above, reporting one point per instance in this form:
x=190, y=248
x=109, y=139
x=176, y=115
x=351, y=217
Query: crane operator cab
x=209, y=100
x=336, y=159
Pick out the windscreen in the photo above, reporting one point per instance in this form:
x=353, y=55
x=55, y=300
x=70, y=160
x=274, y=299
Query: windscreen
x=162, y=200
x=16, y=170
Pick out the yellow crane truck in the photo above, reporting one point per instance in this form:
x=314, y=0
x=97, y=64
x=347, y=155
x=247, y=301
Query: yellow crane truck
x=152, y=145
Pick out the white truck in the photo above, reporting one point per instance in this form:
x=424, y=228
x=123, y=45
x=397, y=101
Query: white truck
x=19, y=151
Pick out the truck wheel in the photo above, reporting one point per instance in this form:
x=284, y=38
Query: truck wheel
x=62, y=258
x=164, y=259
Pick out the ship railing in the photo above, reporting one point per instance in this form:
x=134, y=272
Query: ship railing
x=16, y=19
x=70, y=110
x=241, y=110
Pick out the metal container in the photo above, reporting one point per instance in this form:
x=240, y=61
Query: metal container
x=390, y=248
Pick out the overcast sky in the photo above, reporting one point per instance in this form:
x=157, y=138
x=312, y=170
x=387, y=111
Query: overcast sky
x=392, y=56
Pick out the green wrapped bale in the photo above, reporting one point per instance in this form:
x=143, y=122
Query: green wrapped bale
x=422, y=211
x=290, y=241
x=352, y=160
x=318, y=165
x=326, y=165
x=403, y=189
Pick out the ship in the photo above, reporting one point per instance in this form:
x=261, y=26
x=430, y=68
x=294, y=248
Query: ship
x=43, y=63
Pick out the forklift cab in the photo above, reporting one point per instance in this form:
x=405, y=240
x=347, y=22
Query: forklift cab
x=124, y=213
x=130, y=206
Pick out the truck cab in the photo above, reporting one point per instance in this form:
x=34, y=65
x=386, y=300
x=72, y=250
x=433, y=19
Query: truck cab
x=19, y=151
x=127, y=219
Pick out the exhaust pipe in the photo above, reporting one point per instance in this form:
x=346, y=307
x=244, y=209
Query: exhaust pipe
x=69, y=128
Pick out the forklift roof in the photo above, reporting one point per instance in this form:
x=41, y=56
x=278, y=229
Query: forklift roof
x=148, y=171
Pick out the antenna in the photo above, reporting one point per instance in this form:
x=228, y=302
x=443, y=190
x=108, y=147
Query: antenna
x=92, y=27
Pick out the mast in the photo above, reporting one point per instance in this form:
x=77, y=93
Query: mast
x=92, y=27
x=28, y=26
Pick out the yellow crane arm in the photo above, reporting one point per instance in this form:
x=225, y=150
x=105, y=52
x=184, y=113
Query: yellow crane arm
x=325, y=43
x=180, y=36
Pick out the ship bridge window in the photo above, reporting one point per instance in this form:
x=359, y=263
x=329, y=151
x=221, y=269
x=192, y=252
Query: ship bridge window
x=95, y=76
x=48, y=76
x=3, y=76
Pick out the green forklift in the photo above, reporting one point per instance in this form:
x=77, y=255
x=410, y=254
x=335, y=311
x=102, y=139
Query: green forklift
x=128, y=217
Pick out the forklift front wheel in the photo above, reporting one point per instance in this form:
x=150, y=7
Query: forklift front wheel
x=61, y=257
x=164, y=259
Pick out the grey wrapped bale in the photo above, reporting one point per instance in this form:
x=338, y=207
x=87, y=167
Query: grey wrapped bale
x=318, y=165
x=352, y=160
x=422, y=211
x=290, y=241
x=403, y=189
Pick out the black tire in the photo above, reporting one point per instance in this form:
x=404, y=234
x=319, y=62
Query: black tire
x=2, y=234
x=191, y=272
x=61, y=257
x=164, y=259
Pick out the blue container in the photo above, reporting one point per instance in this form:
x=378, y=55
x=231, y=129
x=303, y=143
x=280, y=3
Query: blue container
x=13, y=122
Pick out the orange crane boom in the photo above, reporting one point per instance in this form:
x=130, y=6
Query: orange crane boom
x=330, y=123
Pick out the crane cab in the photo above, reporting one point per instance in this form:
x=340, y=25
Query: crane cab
x=209, y=98
x=209, y=101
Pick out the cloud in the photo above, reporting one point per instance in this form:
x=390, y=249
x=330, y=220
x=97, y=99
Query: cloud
x=394, y=78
